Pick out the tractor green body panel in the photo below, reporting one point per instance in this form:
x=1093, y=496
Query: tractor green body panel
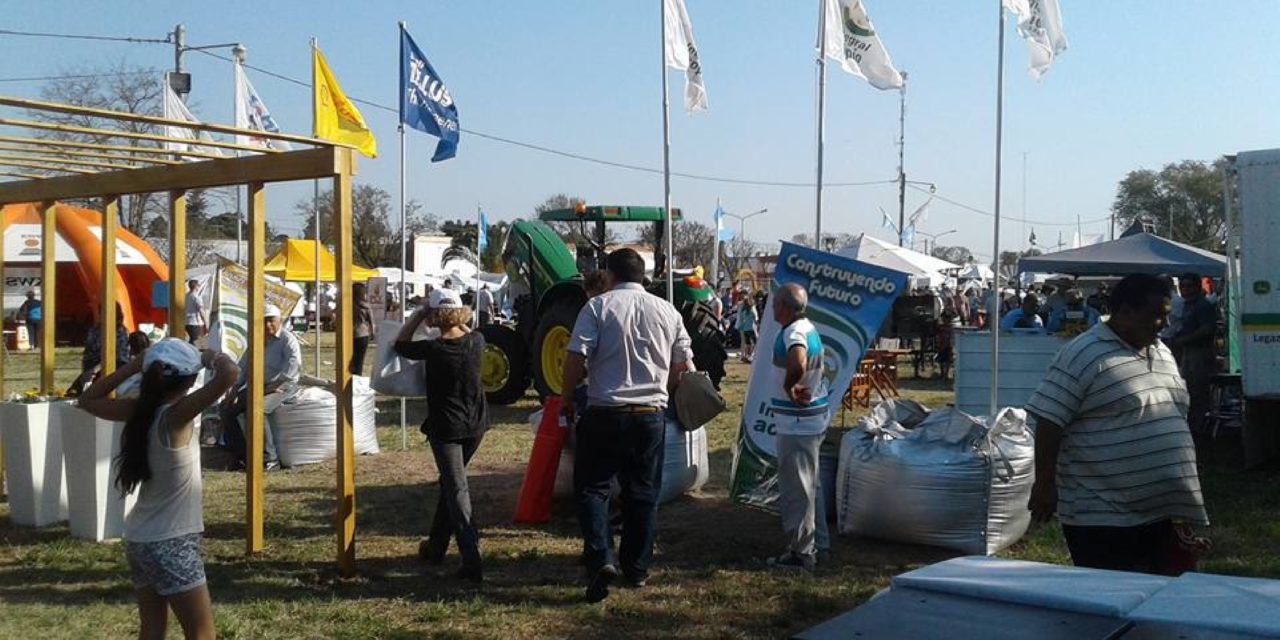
x=536, y=257
x=608, y=213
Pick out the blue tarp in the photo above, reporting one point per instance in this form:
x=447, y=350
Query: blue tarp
x=1136, y=253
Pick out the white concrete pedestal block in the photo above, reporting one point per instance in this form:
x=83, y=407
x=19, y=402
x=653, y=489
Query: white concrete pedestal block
x=89, y=445
x=37, y=485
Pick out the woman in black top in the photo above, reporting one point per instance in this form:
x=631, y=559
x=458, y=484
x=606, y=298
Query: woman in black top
x=456, y=421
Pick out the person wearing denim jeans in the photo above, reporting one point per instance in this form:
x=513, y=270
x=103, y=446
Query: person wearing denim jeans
x=636, y=346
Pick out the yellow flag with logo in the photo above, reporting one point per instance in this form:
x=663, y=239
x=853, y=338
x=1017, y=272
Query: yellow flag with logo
x=336, y=118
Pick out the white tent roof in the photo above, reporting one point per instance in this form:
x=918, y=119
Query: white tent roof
x=975, y=271
x=919, y=266
x=392, y=274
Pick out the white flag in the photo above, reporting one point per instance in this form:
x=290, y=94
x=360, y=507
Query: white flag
x=682, y=54
x=175, y=109
x=252, y=113
x=1040, y=23
x=851, y=40
x=921, y=214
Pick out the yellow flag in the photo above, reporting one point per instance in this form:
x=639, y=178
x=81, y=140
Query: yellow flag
x=335, y=118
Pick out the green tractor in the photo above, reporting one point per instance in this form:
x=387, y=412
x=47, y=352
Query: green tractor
x=547, y=285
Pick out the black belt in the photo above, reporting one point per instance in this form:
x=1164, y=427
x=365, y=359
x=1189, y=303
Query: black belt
x=627, y=408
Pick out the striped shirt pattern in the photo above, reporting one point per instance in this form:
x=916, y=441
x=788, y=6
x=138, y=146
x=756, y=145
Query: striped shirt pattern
x=1127, y=457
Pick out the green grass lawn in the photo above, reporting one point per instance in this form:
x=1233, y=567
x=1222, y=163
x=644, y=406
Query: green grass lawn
x=709, y=578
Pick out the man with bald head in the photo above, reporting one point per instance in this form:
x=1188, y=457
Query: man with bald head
x=800, y=415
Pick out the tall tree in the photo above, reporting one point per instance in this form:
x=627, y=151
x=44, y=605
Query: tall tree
x=954, y=255
x=375, y=225
x=463, y=233
x=118, y=87
x=736, y=252
x=1184, y=200
x=690, y=242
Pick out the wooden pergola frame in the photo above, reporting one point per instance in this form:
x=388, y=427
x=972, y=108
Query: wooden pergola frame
x=117, y=170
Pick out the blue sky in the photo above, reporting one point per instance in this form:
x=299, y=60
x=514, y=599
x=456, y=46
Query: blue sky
x=1144, y=82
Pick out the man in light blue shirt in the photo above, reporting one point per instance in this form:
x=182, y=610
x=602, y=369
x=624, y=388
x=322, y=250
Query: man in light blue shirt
x=1024, y=317
x=802, y=413
x=281, y=370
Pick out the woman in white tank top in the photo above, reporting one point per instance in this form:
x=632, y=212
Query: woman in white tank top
x=160, y=458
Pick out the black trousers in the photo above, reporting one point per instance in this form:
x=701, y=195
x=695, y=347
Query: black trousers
x=193, y=333
x=33, y=333
x=1145, y=549
x=629, y=446
x=452, y=518
x=359, y=347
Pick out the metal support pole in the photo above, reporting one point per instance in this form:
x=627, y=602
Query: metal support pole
x=254, y=376
x=902, y=167
x=666, y=159
x=822, y=117
x=345, y=516
x=315, y=195
x=177, y=260
x=994, y=313
x=404, y=264
x=48, y=294
x=110, y=223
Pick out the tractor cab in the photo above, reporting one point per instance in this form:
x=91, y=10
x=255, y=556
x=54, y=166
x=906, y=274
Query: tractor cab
x=547, y=285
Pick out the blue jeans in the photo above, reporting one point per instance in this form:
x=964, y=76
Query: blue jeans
x=629, y=446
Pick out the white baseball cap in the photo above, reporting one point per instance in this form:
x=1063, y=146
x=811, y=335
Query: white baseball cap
x=271, y=311
x=176, y=356
x=444, y=299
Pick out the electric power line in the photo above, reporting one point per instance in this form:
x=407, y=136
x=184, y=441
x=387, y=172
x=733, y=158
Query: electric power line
x=992, y=215
x=70, y=36
x=77, y=76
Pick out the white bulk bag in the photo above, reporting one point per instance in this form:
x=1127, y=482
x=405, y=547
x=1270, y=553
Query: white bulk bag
x=944, y=479
x=392, y=374
x=685, y=464
x=305, y=426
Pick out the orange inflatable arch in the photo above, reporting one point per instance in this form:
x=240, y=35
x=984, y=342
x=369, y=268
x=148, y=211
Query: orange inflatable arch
x=79, y=265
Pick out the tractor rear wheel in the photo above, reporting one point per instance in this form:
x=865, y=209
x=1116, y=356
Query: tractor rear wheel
x=550, y=341
x=504, y=367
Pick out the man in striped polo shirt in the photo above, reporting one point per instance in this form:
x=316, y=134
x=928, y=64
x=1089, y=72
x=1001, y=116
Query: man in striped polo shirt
x=1114, y=454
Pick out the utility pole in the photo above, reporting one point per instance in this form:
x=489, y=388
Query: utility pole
x=902, y=170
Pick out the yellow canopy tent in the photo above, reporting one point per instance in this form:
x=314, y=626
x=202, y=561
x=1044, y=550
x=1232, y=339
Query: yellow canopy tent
x=295, y=262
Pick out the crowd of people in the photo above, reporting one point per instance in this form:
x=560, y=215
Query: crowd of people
x=1114, y=455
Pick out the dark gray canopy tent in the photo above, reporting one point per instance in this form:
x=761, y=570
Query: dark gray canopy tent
x=1133, y=253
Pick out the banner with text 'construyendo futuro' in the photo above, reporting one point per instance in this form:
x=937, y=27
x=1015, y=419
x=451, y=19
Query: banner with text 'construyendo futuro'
x=848, y=302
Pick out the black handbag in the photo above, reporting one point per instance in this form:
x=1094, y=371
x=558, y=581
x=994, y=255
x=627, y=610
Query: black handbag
x=697, y=401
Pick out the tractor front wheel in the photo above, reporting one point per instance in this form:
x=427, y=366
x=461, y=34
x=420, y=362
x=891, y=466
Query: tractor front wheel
x=550, y=342
x=504, y=367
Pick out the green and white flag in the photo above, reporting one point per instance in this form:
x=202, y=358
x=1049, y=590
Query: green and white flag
x=1040, y=24
x=849, y=38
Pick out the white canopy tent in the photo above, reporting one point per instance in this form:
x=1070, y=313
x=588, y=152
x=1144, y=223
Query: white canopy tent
x=925, y=270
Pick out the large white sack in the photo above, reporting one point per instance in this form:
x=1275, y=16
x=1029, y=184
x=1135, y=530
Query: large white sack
x=685, y=464
x=392, y=374
x=305, y=426
x=943, y=479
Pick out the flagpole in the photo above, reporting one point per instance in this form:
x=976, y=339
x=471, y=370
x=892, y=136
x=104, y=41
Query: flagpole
x=315, y=193
x=994, y=314
x=822, y=115
x=404, y=253
x=668, y=227
x=715, y=252
x=475, y=299
x=237, y=98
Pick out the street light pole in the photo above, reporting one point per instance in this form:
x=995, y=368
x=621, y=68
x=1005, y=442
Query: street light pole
x=742, y=220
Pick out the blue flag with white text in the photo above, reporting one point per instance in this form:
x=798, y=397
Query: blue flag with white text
x=425, y=103
x=482, y=234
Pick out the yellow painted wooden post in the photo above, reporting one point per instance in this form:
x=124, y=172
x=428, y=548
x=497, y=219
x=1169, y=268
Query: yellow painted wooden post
x=177, y=261
x=346, y=485
x=48, y=293
x=110, y=221
x=253, y=411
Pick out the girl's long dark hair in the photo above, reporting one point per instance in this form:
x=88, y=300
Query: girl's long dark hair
x=132, y=468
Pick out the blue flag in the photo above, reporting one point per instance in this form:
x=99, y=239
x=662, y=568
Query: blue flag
x=482, y=235
x=723, y=234
x=425, y=103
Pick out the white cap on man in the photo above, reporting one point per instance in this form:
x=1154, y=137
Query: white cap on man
x=271, y=311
